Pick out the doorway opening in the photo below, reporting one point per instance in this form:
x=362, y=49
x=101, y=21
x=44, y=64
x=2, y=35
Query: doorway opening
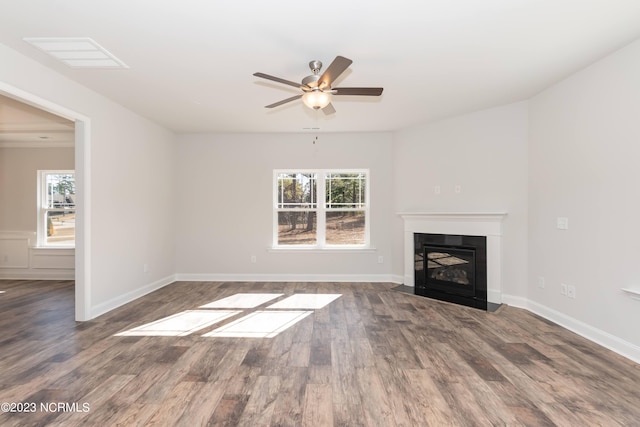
x=82, y=146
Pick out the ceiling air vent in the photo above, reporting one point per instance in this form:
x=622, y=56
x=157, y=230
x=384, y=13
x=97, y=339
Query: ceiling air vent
x=77, y=52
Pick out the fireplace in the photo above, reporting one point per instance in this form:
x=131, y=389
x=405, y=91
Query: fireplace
x=484, y=225
x=451, y=268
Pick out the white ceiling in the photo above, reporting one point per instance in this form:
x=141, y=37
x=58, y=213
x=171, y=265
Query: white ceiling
x=30, y=126
x=191, y=61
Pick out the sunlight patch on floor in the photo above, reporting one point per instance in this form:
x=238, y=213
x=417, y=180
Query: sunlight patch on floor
x=180, y=324
x=260, y=324
x=306, y=301
x=242, y=301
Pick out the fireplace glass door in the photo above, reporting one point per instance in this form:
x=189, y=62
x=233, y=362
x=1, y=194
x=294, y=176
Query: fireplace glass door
x=450, y=269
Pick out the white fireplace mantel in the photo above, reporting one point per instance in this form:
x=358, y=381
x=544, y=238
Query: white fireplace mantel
x=488, y=224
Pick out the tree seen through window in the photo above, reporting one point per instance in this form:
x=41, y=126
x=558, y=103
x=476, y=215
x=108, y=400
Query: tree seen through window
x=340, y=218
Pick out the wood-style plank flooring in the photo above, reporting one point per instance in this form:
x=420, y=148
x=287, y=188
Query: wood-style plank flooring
x=373, y=357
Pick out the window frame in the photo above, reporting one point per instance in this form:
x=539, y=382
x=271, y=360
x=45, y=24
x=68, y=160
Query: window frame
x=321, y=210
x=43, y=210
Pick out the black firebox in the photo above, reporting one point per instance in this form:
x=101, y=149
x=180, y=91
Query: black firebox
x=451, y=268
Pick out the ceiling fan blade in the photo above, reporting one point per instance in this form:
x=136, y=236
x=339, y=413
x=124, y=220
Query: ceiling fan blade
x=284, y=101
x=278, y=79
x=329, y=109
x=362, y=91
x=337, y=67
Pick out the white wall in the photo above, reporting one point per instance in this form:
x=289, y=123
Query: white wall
x=18, y=182
x=133, y=221
x=225, y=200
x=485, y=153
x=583, y=154
x=131, y=181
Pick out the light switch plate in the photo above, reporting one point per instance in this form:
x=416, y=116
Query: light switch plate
x=563, y=223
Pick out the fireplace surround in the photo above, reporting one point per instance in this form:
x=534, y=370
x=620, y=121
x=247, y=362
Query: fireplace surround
x=482, y=224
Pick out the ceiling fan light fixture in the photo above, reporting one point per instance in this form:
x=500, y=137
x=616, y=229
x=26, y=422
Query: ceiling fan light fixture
x=316, y=99
x=316, y=89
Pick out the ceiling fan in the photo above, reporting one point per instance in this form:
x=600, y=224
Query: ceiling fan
x=316, y=88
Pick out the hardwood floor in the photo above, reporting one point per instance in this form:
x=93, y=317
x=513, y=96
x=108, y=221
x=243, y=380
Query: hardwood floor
x=373, y=357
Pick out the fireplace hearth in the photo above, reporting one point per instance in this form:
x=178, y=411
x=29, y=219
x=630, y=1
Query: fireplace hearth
x=451, y=268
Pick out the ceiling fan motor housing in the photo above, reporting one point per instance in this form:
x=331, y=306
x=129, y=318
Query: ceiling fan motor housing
x=311, y=81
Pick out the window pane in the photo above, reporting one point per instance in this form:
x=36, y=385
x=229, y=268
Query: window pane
x=297, y=190
x=61, y=227
x=345, y=228
x=345, y=190
x=61, y=190
x=297, y=228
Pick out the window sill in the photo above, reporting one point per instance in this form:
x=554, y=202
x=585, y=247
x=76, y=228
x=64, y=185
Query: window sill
x=53, y=248
x=280, y=249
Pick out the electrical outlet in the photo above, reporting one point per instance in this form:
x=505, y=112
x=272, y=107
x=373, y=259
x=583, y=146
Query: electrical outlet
x=571, y=291
x=436, y=189
x=563, y=289
x=541, y=282
x=457, y=189
x=253, y=259
x=380, y=259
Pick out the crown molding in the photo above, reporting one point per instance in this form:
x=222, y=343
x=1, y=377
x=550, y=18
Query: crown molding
x=37, y=144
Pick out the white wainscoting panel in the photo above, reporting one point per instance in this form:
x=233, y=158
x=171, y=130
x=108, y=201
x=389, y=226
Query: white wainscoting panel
x=56, y=259
x=14, y=248
x=21, y=259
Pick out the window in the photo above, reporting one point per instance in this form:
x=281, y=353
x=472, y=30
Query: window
x=321, y=209
x=56, y=208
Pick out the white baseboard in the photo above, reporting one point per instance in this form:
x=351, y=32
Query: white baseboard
x=357, y=278
x=605, y=339
x=494, y=296
x=515, y=301
x=399, y=279
x=121, y=300
x=39, y=274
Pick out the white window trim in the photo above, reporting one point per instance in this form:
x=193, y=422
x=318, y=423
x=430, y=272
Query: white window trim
x=41, y=203
x=321, y=211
